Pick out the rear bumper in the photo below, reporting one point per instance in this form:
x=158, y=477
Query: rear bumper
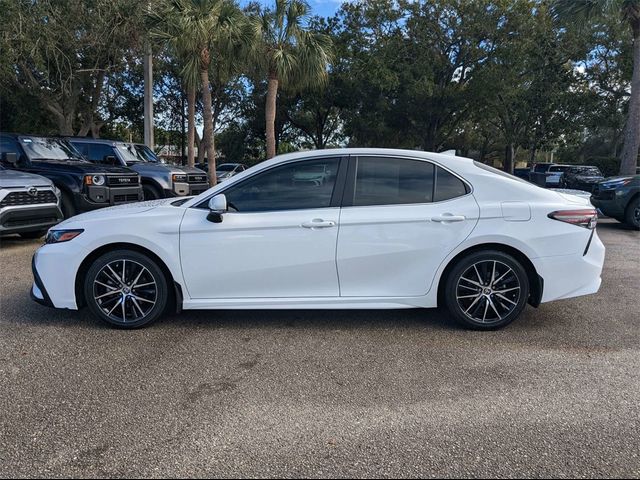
x=567, y=276
x=29, y=218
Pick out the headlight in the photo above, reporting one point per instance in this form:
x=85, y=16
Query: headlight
x=617, y=183
x=178, y=177
x=56, y=191
x=94, y=180
x=59, y=236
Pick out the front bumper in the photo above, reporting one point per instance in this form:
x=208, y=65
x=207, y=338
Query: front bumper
x=38, y=292
x=29, y=218
x=99, y=197
x=609, y=206
x=186, y=189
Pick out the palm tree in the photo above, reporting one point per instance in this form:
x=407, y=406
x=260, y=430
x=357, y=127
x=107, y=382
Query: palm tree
x=198, y=30
x=584, y=11
x=290, y=55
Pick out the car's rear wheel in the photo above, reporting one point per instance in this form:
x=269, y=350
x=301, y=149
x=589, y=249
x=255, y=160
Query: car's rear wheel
x=126, y=289
x=632, y=213
x=487, y=290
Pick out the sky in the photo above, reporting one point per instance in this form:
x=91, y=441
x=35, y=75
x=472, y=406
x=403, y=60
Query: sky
x=324, y=8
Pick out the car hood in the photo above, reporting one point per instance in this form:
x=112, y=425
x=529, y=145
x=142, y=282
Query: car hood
x=78, y=167
x=608, y=180
x=17, y=179
x=113, y=213
x=162, y=168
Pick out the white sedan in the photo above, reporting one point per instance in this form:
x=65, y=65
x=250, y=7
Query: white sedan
x=379, y=229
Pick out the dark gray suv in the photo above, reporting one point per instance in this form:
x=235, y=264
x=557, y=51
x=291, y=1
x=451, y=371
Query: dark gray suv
x=159, y=180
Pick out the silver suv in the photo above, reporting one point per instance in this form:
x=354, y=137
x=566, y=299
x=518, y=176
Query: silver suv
x=29, y=204
x=159, y=180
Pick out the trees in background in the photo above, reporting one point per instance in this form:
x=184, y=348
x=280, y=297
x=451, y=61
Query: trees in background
x=288, y=54
x=504, y=81
x=628, y=11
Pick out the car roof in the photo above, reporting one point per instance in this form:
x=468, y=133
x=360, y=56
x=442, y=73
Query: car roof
x=93, y=140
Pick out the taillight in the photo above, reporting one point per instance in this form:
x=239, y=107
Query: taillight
x=587, y=218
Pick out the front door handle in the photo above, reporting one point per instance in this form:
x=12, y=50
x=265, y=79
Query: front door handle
x=319, y=223
x=448, y=217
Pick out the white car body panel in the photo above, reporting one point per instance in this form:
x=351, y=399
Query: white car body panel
x=259, y=254
x=374, y=257
x=382, y=250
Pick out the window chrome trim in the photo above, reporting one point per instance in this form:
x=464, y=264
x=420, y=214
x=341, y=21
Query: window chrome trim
x=348, y=157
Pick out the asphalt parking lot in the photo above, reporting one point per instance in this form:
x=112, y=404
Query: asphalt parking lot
x=324, y=393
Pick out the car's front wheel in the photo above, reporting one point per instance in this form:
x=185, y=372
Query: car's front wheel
x=126, y=289
x=487, y=290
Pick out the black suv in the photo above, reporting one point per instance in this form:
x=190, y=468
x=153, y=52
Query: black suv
x=581, y=177
x=84, y=185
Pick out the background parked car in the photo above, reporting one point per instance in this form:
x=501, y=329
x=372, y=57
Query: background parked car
x=547, y=174
x=29, y=204
x=225, y=171
x=581, y=177
x=83, y=185
x=619, y=197
x=522, y=173
x=158, y=180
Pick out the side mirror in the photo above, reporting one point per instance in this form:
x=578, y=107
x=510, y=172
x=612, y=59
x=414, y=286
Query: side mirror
x=111, y=160
x=11, y=158
x=217, y=206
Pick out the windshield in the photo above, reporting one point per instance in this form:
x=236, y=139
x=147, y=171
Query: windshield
x=129, y=153
x=146, y=153
x=40, y=148
x=541, y=167
x=589, y=171
x=225, y=167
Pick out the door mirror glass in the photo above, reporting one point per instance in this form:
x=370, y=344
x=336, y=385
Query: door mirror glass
x=217, y=206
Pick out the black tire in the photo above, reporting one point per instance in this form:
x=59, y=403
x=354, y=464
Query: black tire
x=632, y=214
x=468, y=302
x=33, y=235
x=68, y=208
x=150, y=192
x=136, y=311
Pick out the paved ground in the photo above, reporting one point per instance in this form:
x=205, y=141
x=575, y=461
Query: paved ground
x=337, y=393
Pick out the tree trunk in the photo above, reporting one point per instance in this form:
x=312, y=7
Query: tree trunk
x=509, y=158
x=270, y=114
x=207, y=136
x=191, y=125
x=629, y=157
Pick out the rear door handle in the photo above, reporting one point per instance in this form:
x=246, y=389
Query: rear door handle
x=447, y=217
x=319, y=223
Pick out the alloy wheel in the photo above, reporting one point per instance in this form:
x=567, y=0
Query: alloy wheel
x=125, y=291
x=488, y=291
